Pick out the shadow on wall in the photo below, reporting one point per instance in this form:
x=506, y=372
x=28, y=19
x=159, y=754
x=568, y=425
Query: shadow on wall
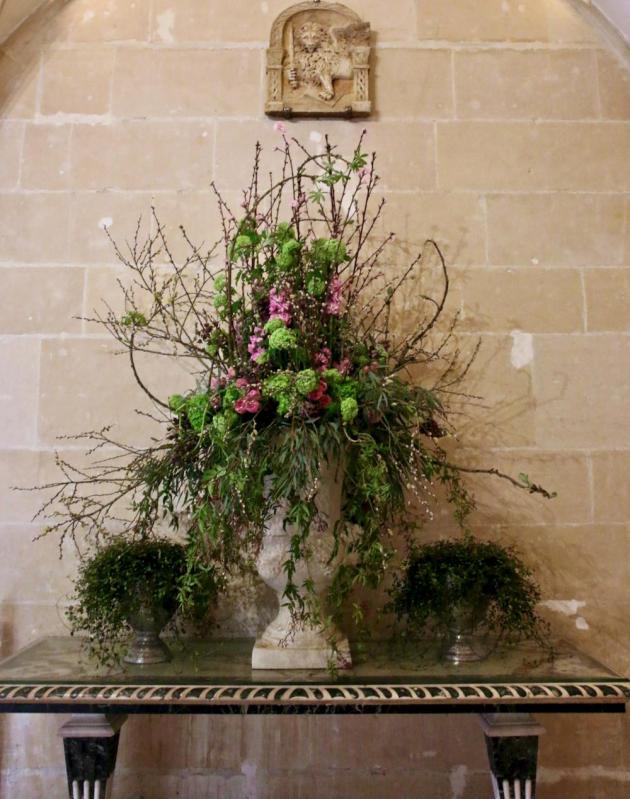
x=20, y=54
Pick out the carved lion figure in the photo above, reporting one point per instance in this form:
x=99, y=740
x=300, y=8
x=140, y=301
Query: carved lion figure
x=319, y=56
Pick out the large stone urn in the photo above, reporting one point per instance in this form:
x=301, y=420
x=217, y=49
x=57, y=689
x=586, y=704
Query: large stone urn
x=285, y=643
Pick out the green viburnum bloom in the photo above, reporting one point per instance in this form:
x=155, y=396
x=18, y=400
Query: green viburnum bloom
x=284, y=232
x=277, y=385
x=306, y=381
x=176, y=402
x=272, y=325
x=243, y=243
x=328, y=252
x=285, y=405
x=347, y=389
x=289, y=251
x=316, y=286
x=332, y=376
x=223, y=421
x=197, y=408
x=282, y=339
x=349, y=409
x=281, y=388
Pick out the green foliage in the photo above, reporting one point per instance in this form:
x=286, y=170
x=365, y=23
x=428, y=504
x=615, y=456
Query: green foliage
x=134, y=319
x=122, y=575
x=489, y=579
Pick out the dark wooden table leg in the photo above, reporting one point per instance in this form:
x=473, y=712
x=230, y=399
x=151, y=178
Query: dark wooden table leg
x=90, y=743
x=512, y=741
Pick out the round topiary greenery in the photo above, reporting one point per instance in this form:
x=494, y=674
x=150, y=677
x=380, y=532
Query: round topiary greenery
x=113, y=582
x=489, y=579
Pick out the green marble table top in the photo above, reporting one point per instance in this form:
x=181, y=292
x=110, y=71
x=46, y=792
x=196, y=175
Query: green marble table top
x=215, y=672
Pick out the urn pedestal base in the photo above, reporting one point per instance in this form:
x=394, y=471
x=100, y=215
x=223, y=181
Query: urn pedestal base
x=305, y=649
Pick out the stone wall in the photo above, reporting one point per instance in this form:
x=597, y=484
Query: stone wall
x=502, y=131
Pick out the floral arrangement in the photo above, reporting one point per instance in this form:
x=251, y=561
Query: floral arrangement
x=288, y=324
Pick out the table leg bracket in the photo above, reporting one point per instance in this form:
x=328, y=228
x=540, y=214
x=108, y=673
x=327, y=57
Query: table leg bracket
x=512, y=744
x=90, y=743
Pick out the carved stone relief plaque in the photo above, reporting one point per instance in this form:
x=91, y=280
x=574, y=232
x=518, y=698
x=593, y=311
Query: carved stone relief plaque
x=318, y=62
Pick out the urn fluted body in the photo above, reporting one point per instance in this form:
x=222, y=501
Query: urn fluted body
x=286, y=644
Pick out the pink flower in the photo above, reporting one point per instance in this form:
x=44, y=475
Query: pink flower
x=279, y=306
x=343, y=367
x=363, y=173
x=322, y=359
x=333, y=303
x=242, y=382
x=319, y=396
x=315, y=396
x=280, y=127
x=296, y=202
x=254, y=345
x=250, y=403
x=231, y=373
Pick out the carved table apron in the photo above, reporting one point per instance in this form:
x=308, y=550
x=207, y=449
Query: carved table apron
x=53, y=675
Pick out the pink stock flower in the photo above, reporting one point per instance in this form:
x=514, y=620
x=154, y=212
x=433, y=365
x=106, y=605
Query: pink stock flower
x=254, y=345
x=343, y=367
x=280, y=127
x=333, y=303
x=279, y=306
x=322, y=359
x=242, y=382
x=250, y=403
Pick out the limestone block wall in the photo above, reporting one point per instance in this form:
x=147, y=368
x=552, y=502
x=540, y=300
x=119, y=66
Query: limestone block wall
x=502, y=130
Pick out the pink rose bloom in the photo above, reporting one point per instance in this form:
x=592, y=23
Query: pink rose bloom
x=322, y=359
x=333, y=303
x=279, y=306
x=315, y=396
x=250, y=403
